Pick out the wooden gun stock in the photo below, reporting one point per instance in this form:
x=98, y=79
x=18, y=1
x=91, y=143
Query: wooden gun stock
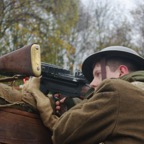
x=23, y=61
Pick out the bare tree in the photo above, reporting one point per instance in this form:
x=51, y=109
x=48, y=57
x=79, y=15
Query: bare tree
x=101, y=24
x=138, y=28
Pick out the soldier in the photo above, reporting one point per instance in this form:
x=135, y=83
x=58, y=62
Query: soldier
x=113, y=114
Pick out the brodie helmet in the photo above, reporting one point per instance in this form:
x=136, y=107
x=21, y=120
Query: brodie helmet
x=116, y=51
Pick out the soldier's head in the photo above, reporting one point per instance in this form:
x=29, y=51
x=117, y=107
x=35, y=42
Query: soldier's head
x=111, y=62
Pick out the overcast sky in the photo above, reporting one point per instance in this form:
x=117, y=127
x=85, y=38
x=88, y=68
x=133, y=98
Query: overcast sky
x=123, y=6
x=128, y=4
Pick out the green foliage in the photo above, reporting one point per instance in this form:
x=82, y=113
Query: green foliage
x=46, y=22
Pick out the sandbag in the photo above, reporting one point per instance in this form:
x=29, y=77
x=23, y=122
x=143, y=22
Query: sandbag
x=21, y=127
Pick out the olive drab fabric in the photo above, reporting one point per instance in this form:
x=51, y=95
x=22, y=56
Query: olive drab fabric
x=113, y=115
x=43, y=103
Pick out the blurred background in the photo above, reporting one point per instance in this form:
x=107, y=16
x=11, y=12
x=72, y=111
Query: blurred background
x=70, y=30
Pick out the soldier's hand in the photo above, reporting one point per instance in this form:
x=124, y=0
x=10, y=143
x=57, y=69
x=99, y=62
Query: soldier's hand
x=32, y=83
x=62, y=103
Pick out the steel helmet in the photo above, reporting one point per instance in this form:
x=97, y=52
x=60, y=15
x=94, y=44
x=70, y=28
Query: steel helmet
x=117, y=51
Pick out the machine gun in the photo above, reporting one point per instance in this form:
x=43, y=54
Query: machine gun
x=26, y=61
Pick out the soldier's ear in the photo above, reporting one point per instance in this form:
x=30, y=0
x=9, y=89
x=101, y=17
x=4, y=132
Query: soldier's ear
x=123, y=70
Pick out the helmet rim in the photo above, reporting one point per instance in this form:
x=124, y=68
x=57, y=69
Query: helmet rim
x=116, y=51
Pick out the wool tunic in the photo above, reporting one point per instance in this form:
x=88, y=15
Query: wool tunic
x=113, y=115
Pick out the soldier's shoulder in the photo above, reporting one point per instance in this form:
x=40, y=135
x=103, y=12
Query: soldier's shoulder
x=116, y=83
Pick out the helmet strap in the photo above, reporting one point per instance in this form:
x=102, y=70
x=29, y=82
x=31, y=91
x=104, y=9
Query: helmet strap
x=103, y=68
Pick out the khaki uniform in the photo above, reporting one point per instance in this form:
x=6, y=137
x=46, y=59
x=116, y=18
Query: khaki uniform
x=113, y=115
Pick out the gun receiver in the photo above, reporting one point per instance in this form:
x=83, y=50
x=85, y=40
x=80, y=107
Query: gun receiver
x=57, y=80
x=23, y=61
